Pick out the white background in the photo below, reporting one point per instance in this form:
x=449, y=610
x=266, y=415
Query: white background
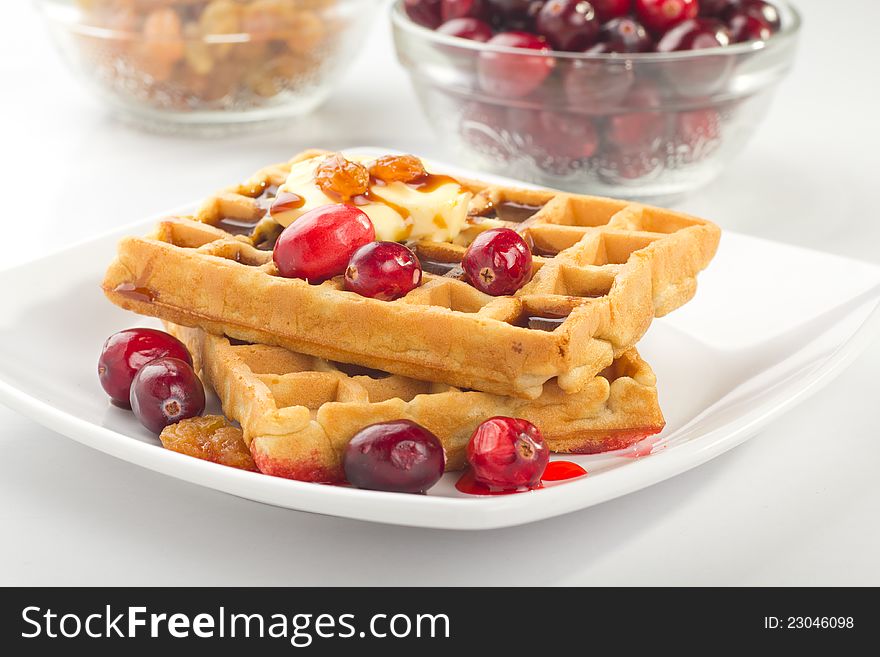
x=799, y=504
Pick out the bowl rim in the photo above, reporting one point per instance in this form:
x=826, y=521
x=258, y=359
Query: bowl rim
x=791, y=26
x=67, y=13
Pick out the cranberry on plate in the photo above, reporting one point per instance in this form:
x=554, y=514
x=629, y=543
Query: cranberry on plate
x=507, y=453
x=383, y=270
x=498, y=262
x=319, y=244
x=568, y=24
x=165, y=391
x=399, y=456
x=510, y=75
x=125, y=352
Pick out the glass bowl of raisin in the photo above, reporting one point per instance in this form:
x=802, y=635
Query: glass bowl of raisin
x=208, y=65
x=641, y=99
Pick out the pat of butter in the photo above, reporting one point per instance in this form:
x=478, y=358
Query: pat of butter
x=398, y=211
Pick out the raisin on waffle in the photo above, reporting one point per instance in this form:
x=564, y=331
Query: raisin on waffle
x=602, y=270
x=298, y=412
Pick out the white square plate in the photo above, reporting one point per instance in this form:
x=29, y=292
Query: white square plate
x=771, y=325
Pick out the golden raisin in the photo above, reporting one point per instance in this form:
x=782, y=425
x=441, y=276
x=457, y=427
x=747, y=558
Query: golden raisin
x=398, y=168
x=210, y=438
x=163, y=36
x=341, y=177
x=307, y=33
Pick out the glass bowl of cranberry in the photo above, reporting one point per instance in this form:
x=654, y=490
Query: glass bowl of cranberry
x=207, y=65
x=643, y=99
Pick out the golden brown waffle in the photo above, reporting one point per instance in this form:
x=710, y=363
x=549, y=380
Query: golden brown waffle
x=298, y=412
x=602, y=270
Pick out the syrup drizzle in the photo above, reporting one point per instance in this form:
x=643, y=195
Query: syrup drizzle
x=440, y=268
x=285, y=202
x=431, y=182
x=555, y=471
x=562, y=470
x=132, y=291
x=368, y=197
x=265, y=199
x=543, y=253
x=515, y=213
x=546, y=322
x=359, y=370
x=425, y=184
x=237, y=226
x=468, y=484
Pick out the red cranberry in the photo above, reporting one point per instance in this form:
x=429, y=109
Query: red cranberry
x=698, y=125
x=124, y=353
x=514, y=75
x=467, y=28
x=508, y=453
x=399, y=456
x=745, y=26
x=626, y=35
x=498, y=262
x=695, y=34
x=481, y=126
x=558, y=141
x=165, y=391
x=638, y=130
x=424, y=12
x=566, y=135
x=319, y=244
x=597, y=87
x=383, y=270
x=609, y=9
x=716, y=8
x=515, y=14
x=568, y=24
x=617, y=166
x=450, y=9
x=697, y=134
x=660, y=15
x=699, y=131
x=763, y=10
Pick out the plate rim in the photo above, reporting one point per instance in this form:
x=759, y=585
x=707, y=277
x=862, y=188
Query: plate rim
x=440, y=512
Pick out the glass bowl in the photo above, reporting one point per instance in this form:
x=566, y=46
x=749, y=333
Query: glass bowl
x=208, y=64
x=649, y=126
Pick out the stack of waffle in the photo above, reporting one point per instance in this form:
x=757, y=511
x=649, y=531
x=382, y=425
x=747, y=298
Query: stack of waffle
x=303, y=367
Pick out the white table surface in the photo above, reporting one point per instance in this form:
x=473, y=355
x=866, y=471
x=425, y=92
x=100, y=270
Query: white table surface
x=796, y=505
